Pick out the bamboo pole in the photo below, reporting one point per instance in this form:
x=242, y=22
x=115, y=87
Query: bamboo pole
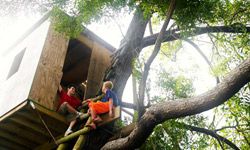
x=62, y=146
x=75, y=134
x=80, y=142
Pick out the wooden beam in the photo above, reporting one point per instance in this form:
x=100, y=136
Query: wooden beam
x=51, y=113
x=29, y=125
x=52, y=124
x=11, y=112
x=106, y=119
x=10, y=127
x=10, y=145
x=15, y=138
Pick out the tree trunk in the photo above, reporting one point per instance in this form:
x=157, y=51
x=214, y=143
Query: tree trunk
x=121, y=67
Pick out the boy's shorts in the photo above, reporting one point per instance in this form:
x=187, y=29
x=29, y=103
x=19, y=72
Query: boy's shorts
x=64, y=111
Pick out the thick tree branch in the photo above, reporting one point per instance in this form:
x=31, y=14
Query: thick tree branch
x=152, y=57
x=150, y=27
x=172, y=35
x=161, y=112
x=128, y=105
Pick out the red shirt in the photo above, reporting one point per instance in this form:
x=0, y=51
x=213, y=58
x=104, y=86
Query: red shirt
x=73, y=101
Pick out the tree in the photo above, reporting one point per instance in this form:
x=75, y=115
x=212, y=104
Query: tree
x=227, y=24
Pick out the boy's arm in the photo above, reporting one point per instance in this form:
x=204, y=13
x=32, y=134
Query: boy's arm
x=92, y=99
x=60, y=88
x=111, y=114
x=98, y=98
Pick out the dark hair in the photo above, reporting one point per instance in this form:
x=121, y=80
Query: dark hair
x=71, y=85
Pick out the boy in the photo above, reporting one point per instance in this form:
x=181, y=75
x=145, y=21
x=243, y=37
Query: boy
x=103, y=106
x=68, y=105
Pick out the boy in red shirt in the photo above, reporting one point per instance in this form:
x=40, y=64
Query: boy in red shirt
x=68, y=105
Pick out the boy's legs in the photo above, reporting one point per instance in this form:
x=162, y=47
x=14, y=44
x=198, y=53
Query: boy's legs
x=69, y=108
x=94, y=116
x=69, y=130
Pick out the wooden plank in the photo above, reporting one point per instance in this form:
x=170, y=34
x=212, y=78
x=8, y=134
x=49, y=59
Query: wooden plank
x=31, y=126
x=86, y=41
x=99, y=62
x=51, y=113
x=106, y=119
x=14, y=110
x=10, y=145
x=45, y=86
x=15, y=138
x=22, y=132
x=54, y=125
x=49, y=70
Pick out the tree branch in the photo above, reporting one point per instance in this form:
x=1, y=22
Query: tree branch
x=150, y=27
x=203, y=56
x=172, y=35
x=128, y=105
x=211, y=133
x=152, y=57
x=184, y=107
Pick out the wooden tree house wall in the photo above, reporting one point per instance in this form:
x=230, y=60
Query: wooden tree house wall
x=51, y=59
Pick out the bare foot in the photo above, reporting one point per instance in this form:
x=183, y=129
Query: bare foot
x=97, y=119
x=91, y=125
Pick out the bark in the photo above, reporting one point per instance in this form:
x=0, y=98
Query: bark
x=128, y=105
x=128, y=129
x=157, y=47
x=172, y=35
x=150, y=27
x=121, y=67
x=161, y=112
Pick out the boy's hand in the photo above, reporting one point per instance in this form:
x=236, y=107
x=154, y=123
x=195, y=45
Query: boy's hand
x=86, y=101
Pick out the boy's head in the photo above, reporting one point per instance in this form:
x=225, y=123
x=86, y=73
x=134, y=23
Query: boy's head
x=71, y=89
x=107, y=85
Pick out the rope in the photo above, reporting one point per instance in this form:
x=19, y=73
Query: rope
x=34, y=108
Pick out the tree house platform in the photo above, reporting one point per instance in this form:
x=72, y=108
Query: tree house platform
x=25, y=126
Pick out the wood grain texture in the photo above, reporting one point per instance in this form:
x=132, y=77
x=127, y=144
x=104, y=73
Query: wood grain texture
x=49, y=70
x=99, y=62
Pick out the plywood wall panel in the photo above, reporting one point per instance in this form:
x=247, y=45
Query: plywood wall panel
x=49, y=71
x=100, y=60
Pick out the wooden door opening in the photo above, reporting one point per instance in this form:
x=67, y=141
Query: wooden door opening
x=76, y=64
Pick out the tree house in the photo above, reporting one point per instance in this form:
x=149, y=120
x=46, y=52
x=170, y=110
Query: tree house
x=42, y=60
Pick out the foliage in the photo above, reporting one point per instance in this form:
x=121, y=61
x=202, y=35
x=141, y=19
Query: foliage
x=236, y=120
x=71, y=26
